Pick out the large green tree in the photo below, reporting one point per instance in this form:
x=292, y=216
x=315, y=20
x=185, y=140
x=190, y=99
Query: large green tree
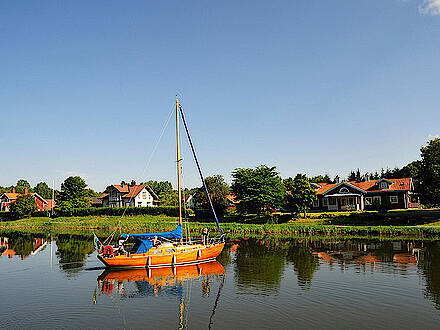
x=165, y=192
x=23, y=206
x=43, y=190
x=21, y=185
x=430, y=172
x=300, y=195
x=257, y=189
x=74, y=193
x=218, y=190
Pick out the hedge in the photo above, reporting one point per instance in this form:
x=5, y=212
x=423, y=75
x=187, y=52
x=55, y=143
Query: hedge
x=170, y=211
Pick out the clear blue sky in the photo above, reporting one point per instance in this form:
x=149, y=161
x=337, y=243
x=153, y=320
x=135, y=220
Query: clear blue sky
x=309, y=86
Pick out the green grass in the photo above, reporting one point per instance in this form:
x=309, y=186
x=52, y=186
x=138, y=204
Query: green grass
x=148, y=223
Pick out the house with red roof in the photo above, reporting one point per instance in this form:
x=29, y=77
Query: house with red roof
x=41, y=203
x=360, y=196
x=131, y=195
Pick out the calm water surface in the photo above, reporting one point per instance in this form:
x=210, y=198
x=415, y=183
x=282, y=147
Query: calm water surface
x=265, y=283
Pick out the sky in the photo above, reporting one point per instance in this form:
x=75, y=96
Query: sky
x=310, y=86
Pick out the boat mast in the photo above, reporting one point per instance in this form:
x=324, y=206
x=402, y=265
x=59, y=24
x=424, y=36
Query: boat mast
x=179, y=188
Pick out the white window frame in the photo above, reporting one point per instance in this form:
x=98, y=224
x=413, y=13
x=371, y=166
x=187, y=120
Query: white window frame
x=383, y=185
x=344, y=190
x=379, y=198
x=394, y=199
x=316, y=203
x=368, y=200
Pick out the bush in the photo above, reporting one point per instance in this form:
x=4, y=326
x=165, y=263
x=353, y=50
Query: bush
x=23, y=207
x=170, y=211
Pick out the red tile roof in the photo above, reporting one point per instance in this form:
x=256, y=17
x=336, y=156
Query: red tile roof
x=134, y=190
x=369, y=186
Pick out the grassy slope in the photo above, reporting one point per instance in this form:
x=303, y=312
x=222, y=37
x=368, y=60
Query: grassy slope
x=146, y=223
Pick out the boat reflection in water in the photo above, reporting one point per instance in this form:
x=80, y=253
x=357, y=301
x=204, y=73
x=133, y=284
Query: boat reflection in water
x=132, y=283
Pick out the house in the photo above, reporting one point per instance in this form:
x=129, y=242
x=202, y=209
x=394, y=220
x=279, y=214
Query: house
x=360, y=196
x=132, y=195
x=42, y=204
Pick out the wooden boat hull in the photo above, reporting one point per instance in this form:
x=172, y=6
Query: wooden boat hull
x=163, y=256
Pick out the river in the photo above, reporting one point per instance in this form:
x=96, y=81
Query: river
x=257, y=283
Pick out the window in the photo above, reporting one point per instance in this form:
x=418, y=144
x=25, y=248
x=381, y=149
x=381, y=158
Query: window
x=377, y=199
x=332, y=201
x=157, y=251
x=368, y=200
x=169, y=251
x=394, y=199
x=344, y=190
x=383, y=185
x=139, y=204
x=316, y=203
x=324, y=202
x=144, y=195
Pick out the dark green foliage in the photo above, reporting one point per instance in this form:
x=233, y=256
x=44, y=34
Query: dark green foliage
x=218, y=190
x=43, y=190
x=257, y=189
x=23, y=207
x=321, y=179
x=300, y=195
x=157, y=210
x=21, y=185
x=355, y=176
x=430, y=173
x=73, y=194
x=165, y=193
x=305, y=264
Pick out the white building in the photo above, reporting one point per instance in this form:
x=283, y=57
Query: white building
x=128, y=195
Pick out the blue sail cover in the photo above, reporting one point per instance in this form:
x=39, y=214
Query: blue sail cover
x=146, y=239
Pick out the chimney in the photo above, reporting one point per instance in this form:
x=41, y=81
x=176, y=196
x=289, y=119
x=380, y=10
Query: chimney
x=337, y=179
x=13, y=190
x=122, y=183
x=367, y=177
x=25, y=191
x=133, y=183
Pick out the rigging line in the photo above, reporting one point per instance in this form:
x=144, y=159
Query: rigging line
x=165, y=125
x=200, y=170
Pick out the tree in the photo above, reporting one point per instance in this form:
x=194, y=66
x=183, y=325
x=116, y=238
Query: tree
x=43, y=190
x=300, y=195
x=165, y=193
x=218, y=190
x=321, y=179
x=21, y=185
x=430, y=172
x=257, y=189
x=74, y=193
x=23, y=206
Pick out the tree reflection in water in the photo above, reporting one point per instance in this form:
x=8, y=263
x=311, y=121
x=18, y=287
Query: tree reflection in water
x=259, y=264
x=429, y=264
x=72, y=251
x=305, y=263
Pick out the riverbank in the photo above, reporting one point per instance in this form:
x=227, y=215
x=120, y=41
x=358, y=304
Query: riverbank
x=147, y=223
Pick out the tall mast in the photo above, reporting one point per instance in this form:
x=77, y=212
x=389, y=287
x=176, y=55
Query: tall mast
x=179, y=188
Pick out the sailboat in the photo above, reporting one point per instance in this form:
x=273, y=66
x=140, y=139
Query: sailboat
x=166, y=248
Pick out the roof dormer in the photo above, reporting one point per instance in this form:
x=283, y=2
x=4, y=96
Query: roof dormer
x=384, y=183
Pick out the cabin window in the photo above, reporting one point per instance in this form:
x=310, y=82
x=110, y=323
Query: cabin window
x=383, y=185
x=144, y=195
x=170, y=251
x=394, y=199
x=368, y=200
x=316, y=203
x=157, y=251
x=324, y=202
x=344, y=190
x=377, y=199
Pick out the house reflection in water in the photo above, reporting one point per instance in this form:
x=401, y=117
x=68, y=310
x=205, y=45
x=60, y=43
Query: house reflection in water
x=21, y=246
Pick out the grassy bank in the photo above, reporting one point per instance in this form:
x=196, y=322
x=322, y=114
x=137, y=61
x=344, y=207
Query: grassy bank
x=148, y=223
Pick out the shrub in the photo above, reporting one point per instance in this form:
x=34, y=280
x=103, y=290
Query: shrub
x=23, y=207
